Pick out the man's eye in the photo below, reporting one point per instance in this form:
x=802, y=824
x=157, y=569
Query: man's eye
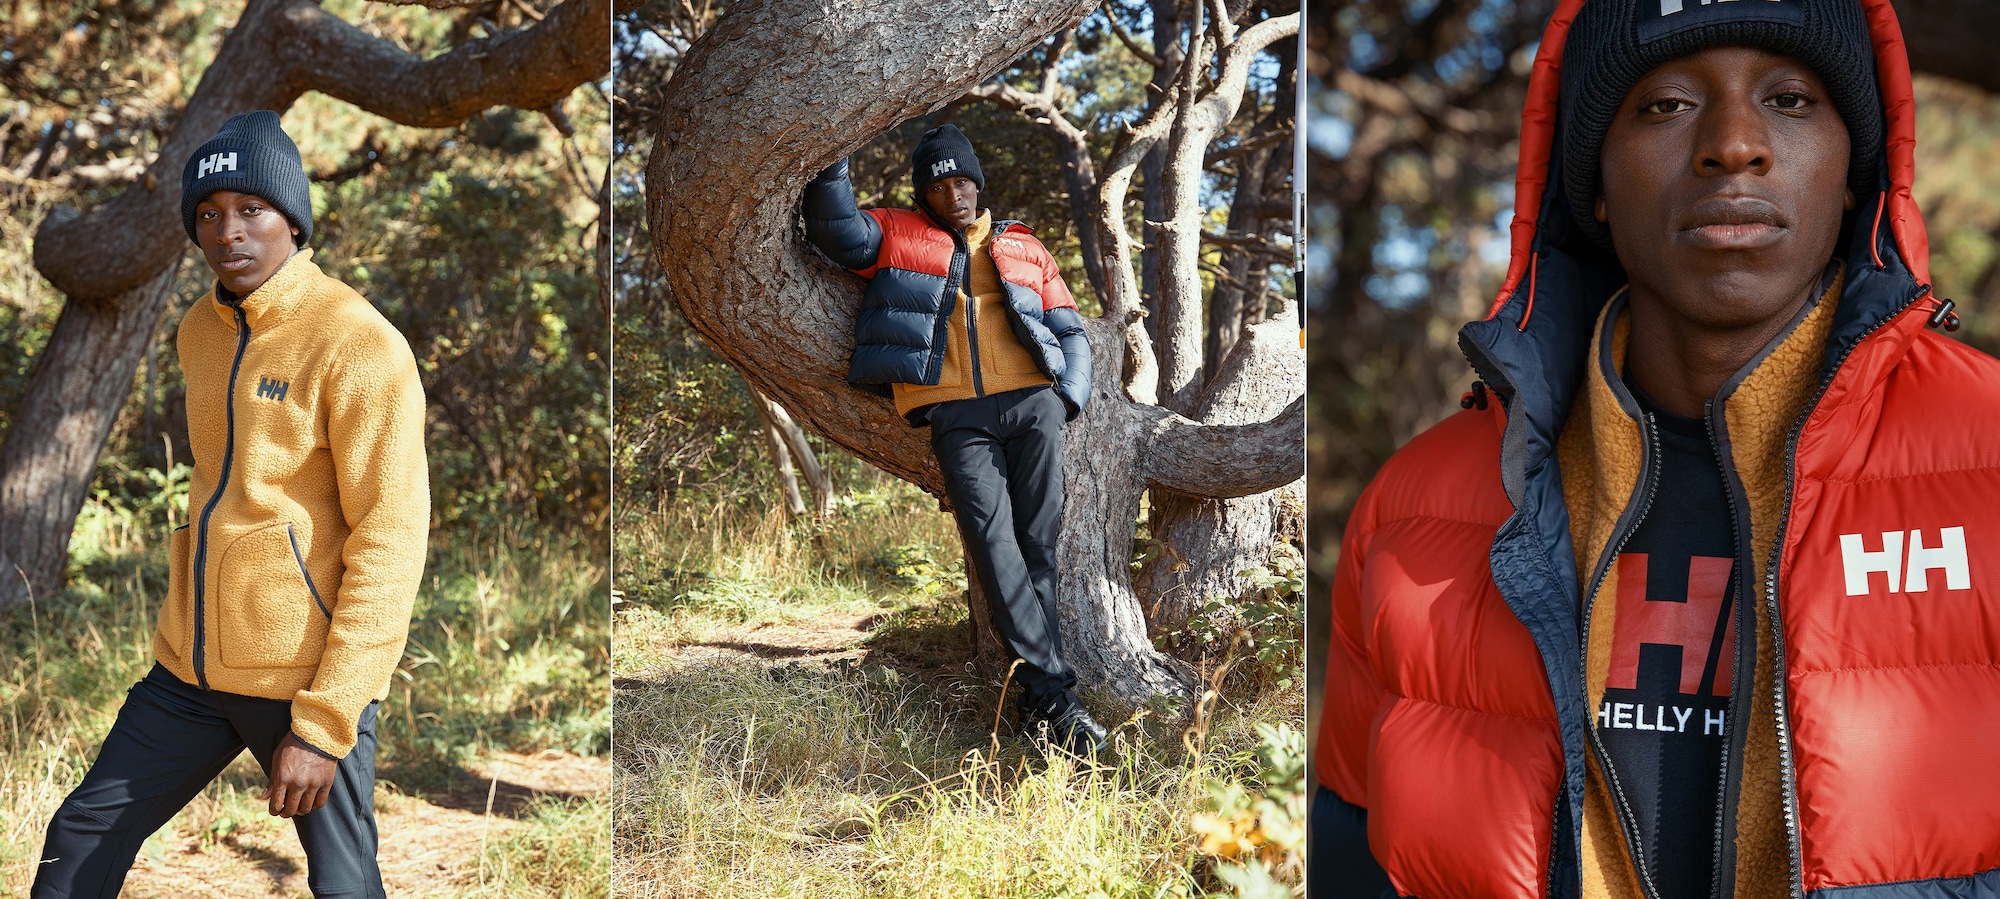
x=1790, y=101
x=1668, y=106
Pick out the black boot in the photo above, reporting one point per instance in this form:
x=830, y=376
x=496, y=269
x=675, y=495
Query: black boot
x=1068, y=727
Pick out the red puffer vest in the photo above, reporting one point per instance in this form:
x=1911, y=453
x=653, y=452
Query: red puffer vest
x=1454, y=711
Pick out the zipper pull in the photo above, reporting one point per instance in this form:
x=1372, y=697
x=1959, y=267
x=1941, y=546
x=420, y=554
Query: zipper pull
x=1944, y=317
x=1474, y=398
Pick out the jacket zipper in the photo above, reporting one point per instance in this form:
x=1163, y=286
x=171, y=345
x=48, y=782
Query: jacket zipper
x=1647, y=474
x=1787, y=777
x=221, y=483
x=1722, y=879
x=972, y=318
x=300, y=557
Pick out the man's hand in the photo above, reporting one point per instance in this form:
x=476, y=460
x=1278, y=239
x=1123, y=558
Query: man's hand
x=301, y=779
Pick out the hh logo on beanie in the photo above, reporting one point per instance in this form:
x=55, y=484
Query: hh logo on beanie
x=942, y=166
x=1677, y=16
x=216, y=162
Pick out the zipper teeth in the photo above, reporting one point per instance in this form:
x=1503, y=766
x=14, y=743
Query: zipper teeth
x=1647, y=475
x=1787, y=776
x=1735, y=663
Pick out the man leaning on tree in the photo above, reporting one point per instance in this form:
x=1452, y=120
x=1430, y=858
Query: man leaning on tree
x=967, y=325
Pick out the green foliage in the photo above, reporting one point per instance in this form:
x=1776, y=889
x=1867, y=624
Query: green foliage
x=1255, y=829
x=1260, y=634
x=914, y=568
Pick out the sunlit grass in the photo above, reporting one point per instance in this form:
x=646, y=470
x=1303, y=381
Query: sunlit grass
x=738, y=776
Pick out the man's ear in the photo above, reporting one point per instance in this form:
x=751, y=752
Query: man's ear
x=1597, y=209
x=1848, y=203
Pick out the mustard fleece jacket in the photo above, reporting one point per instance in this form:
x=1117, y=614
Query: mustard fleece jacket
x=309, y=505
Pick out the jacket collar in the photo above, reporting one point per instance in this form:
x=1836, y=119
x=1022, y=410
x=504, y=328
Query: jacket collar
x=277, y=297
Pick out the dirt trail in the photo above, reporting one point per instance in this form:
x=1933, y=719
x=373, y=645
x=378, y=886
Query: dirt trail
x=429, y=844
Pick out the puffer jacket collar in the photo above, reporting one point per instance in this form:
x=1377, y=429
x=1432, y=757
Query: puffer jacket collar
x=1533, y=346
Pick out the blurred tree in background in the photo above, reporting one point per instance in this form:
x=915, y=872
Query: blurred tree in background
x=478, y=240
x=1414, y=121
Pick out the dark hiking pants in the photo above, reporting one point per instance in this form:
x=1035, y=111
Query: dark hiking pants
x=170, y=740
x=1002, y=461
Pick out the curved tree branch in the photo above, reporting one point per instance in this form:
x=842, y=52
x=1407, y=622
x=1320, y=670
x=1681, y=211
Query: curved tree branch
x=281, y=49
x=1226, y=461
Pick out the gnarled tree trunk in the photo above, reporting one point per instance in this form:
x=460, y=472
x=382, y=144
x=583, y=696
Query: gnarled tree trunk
x=779, y=89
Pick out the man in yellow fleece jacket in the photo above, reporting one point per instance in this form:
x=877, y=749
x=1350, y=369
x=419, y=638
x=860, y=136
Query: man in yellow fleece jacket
x=290, y=589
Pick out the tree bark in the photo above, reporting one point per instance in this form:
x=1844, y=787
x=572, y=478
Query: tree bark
x=781, y=458
x=792, y=439
x=1200, y=118
x=109, y=259
x=1231, y=535
x=50, y=456
x=1953, y=38
x=777, y=90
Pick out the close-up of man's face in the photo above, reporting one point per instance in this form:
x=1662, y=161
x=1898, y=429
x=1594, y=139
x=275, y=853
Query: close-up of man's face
x=1724, y=181
x=243, y=237
x=955, y=199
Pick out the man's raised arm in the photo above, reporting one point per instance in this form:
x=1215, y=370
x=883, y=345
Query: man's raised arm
x=848, y=236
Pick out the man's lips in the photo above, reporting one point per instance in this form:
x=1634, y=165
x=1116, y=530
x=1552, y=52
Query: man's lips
x=1733, y=223
x=235, y=262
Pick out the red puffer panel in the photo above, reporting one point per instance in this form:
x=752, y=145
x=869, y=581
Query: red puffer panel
x=1895, y=689
x=1438, y=708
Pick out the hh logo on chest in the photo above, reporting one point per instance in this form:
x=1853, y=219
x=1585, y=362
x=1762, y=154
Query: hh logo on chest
x=272, y=389
x=1906, y=563
x=216, y=162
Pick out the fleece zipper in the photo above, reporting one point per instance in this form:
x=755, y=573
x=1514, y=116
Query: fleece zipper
x=221, y=484
x=1743, y=674
x=1628, y=525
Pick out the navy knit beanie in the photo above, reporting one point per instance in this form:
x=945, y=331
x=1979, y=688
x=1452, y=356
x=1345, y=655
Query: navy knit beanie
x=251, y=154
x=942, y=153
x=1614, y=43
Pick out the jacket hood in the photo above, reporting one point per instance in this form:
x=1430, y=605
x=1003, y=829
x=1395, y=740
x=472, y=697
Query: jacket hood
x=1534, y=339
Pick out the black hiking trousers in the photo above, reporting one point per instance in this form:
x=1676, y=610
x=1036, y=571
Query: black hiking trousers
x=171, y=738
x=1001, y=455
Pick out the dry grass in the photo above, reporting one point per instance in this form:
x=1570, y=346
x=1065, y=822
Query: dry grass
x=755, y=760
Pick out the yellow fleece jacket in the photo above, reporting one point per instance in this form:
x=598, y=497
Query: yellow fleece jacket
x=977, y=335
x=1600, y=451
x=309, y=506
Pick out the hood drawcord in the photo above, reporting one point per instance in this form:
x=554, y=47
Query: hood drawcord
x=1474, y=398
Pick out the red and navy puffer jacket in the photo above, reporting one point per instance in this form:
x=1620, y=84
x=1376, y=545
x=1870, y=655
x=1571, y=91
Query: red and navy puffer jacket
x=916, y=268
x=1454, y=716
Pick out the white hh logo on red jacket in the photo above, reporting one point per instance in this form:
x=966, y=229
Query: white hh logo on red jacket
x=1907, y=565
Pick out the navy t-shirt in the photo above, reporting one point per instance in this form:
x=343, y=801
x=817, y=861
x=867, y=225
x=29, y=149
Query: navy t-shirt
x=1666, y=699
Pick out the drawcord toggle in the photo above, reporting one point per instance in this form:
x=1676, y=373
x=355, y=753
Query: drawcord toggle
x=1943, y=317
x=1474, y=398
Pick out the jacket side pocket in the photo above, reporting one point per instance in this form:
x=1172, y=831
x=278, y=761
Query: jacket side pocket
x=266, y=612
x=175, y=626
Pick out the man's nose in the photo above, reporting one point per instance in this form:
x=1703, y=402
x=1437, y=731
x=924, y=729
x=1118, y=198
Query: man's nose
x=1733, y=137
